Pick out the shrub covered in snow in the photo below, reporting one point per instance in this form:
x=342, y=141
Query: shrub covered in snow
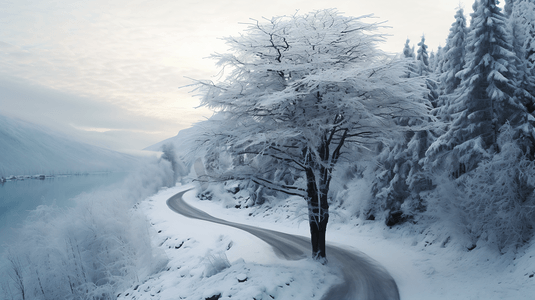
x=90, y=251
x=495, y=203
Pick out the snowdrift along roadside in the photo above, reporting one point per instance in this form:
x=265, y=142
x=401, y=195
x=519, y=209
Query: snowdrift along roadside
x=208, y=260
x=422, y=267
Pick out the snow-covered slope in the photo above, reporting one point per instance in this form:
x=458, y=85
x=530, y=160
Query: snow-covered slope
x=27, y=149
x=181, y=142
x=423, y=269
x=186, y=140
x=209, y=261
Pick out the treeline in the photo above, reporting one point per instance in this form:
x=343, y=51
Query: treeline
x=481, y=86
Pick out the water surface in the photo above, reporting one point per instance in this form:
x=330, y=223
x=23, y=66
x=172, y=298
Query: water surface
x=19, y=197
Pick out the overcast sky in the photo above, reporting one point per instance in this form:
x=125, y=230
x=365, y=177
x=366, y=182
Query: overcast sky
x=109, y=71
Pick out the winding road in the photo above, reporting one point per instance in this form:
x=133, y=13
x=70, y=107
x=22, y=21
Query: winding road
x=363, y=278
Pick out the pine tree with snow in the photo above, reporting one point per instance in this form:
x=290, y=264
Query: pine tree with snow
x=399, y=177
x=455, y=54
x=528, y=9
x=486, y=97
x=432, y=62
x=439, y=60
x=422, y=58
x=422, y=68
x=453, y=62
x=508, y=8
x=408, y=52
x=499, y=196
x=522, y=28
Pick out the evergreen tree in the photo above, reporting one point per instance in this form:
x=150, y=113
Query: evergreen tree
x=508, y=8
x=399, y=180
x=422, y=68
x=412, y=65
x=453, y=62
x=432, y=62
x=486, y=98
x=400, y=177
x=439, y=60
x=422, y=58
x=389, y=188
x=408, y=52
x=454, y=56
x=522, y=28
x=528, y=9
x=498, y=198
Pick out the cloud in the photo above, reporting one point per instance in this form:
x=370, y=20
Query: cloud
x=90, y=119
x=117, y=65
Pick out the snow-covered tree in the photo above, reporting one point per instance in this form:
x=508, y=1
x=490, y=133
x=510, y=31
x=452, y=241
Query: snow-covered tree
x=432, y=62
x=500, y=197
x=308, y=91
x=522, y=28
x=410, y=58
x=94, y=250
x=399, y=178
x=508, y=8
x=455, y=54
x=528, y=9
x=486, y=98
x=423, y=69
x=452, y=63
x=408, y=52
x=439, y=60
x=494, y=205
x=422, y=58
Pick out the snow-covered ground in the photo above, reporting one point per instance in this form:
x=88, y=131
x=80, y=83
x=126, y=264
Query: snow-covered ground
x=208, y=259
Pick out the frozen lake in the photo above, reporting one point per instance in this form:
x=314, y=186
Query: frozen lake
x=19, y=197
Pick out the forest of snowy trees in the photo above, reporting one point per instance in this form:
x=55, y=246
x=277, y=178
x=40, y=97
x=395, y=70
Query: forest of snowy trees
x=442, y=143
x=448, y=138
x=477, y=161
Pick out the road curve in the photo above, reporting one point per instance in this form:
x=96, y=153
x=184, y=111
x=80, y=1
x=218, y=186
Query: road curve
x=364, y=279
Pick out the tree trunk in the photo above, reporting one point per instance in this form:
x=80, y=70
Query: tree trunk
x=318, y=230
x=318, y=216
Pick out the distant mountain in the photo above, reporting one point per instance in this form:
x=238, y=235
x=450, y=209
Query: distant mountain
x=28, y=149
x=183, y=142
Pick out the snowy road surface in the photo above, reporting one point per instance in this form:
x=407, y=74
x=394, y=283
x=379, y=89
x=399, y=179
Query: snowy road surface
x=364, y=279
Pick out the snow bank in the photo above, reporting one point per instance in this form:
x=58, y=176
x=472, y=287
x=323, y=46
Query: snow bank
x=195, y=248
x=425, y=265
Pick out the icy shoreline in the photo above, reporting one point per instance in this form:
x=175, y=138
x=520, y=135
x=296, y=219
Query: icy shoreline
x=49, y=176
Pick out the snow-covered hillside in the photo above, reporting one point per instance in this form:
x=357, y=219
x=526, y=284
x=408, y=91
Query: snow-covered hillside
x=423, y=267
x=183, y=141
x=27, y=149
